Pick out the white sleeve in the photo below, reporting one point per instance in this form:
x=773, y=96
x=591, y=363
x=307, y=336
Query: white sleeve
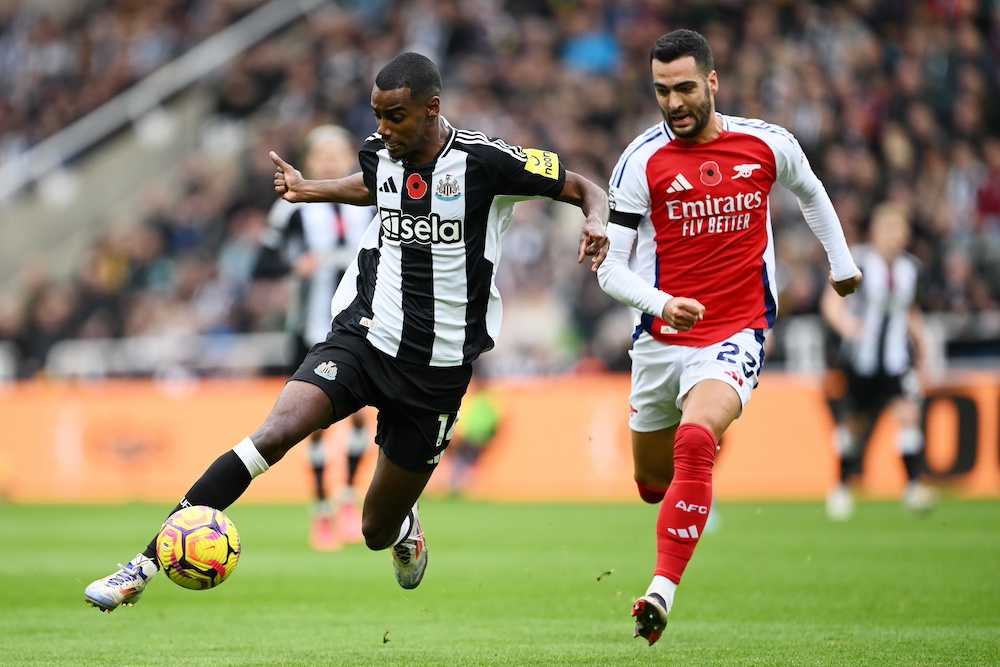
x=618, y=280
x=823, y=221
x=795, y=174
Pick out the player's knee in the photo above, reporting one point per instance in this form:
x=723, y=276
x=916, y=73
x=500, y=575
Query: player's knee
x=694, y=449
x=652, y=485
x=649, y=494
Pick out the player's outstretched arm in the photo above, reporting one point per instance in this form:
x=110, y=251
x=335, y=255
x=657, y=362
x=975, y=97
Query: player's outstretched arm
x=291, y=186
x=593, y=201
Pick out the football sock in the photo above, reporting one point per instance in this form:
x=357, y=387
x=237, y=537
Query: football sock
x=224, y=481
x=650, y=495
x=357, y=443
x=685, y=507
x=664, y=588
x=850, y=454
x=911, y=446
x=317, y=459
x=914, y=467
x=352, y=468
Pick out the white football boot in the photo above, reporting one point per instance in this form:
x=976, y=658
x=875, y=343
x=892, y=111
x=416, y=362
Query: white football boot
x=919, y=497
x=409, y=557
x=124, y=587
x=840, y=503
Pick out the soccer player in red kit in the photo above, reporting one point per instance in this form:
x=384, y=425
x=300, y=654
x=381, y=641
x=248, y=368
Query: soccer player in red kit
x=690, y=196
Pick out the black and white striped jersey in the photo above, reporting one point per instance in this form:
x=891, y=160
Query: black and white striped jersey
x=425, y=290
x=331, y=232
x=883, y=303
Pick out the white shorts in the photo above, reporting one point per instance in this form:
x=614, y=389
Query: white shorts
x=662, y=374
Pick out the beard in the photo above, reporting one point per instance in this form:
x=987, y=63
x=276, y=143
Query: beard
x=699, y=115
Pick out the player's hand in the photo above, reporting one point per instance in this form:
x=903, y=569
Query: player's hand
x=287, y=179
x=593, y=243
x=683, y=313
x=305, y=265
x=848, y=286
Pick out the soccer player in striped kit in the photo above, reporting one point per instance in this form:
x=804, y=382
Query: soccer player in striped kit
x=882, y=353
x=690, y=196
x=418, y=306
x=315, y=243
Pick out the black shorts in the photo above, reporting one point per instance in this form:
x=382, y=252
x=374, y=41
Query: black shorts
x=417, y=405
x=870, y=394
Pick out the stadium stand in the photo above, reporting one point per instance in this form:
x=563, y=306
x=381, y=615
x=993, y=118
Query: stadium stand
x=149, y=232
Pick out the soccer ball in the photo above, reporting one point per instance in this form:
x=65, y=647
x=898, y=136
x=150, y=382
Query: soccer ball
x=198, y=547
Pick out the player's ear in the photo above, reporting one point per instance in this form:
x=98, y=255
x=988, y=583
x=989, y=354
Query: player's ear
x=433, y=106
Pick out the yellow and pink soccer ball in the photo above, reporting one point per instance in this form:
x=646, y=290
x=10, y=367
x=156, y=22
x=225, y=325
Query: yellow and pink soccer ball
x=198, y=547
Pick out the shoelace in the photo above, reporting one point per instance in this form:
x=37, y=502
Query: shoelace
x=124, y=575
x=402, y=553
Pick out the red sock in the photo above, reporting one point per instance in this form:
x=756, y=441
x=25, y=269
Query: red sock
x=650, y=495
x=685, y=508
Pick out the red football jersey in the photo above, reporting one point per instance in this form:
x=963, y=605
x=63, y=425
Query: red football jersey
x=703, y=222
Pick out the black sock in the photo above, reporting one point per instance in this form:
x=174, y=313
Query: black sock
x=219, y=487
x=353, y=461
x=320, y=489
x=914, y=466
x=850, y=468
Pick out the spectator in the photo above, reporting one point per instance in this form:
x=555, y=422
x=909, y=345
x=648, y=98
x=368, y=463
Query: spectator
x=889, y=100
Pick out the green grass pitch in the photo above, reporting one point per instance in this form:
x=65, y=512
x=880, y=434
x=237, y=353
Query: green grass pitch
x=512, y=585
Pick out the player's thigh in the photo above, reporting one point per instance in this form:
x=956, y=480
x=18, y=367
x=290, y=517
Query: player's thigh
x=653, y=457
x=733, y=366
x=341, y=367
x=655, y=383
x=417, y=411
x=712, y=403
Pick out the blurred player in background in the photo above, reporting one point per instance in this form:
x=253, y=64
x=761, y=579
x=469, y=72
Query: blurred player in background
x=416, y=309
x=315, y=243
x=479, y=423
x=882, y=355
x=690, y=195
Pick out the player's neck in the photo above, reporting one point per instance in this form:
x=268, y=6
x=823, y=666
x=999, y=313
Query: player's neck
x=712, y=131
x=436, y=137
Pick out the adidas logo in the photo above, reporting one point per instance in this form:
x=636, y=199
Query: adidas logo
x=389, y=187
x=679, y=184
x=689, y=533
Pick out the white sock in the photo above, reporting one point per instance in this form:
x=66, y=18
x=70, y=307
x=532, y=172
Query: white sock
x=664, y=588
x=911, y=440
x=251, y=458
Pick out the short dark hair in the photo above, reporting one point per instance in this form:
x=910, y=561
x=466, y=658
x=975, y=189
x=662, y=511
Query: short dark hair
x=413, y=71
x=681, y=43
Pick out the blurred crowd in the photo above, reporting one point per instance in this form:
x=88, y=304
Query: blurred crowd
x=891, y=100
